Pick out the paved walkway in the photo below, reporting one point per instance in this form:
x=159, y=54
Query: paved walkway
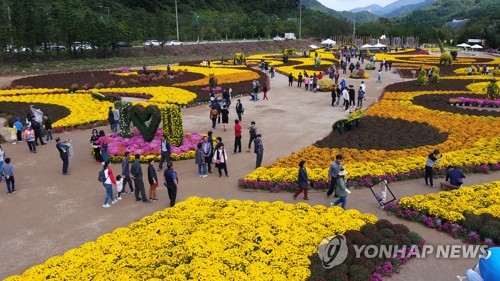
x=52, y=213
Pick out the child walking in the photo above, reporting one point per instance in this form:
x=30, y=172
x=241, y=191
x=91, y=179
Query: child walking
x=13, y=134
x=119, y=187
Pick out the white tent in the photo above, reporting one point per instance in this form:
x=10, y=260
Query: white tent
x=328, y=42
x=476, y=46
x=313, y=47
x=379, y=45
x=464, y=45
x=366, y=46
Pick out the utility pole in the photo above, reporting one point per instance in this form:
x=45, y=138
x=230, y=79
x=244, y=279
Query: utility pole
x=177, y=20
x=300, y=18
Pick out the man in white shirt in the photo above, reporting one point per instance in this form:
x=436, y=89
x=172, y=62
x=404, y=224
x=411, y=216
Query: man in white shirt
x=345, y=95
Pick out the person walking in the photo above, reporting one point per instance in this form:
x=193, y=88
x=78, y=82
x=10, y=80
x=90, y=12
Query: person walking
x=345, y=96
x=48, y=128
x=299, y=80
x=341, y=190
x=334, y=94
x=314, y=83
x=2, y=157
x=103, y=145
x=165, y=152
x=200, y=161
x=136, y=173
x=290, y=80
x=37, y=127
x=379, y=76
x=253, y=134
x=63, y=153
x=207, y=147
x=29, y=137
x=306, y=83
x=220, y=160
x=361, y=96
x=239, y=110
x=153, y=180
x=339, y=94
x=333, y=174
x=225, y=116
x=111, y=119
x=432, y=159
x=302, y=182
x=259, y=150
x=213, y=116
x=126, y=173
x=7, y=170
x=264, y=90
x=95, y=146
x=237, y=136
x=116, y=117
x=352, y=94
x=108, y=185
x=171, y=182
x=19, y=129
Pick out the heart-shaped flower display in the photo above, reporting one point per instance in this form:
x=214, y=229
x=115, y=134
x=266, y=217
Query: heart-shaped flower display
x=140, y=115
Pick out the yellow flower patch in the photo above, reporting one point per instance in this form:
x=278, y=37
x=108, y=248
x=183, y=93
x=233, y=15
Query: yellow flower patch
x=452, y=205
x=84, y=109
x=207, y=239
x=480, y=87
x=161, y=94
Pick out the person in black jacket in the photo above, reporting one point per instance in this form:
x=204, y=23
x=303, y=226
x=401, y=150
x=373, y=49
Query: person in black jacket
x=111, y=119
x=136, y=173
x=302, y=182
x=126, y=173
x=290, y=80
x=352, y=94
x=37, y=127
x=97, y=149
x=239, y=110
x=153, y=180
x=48, y=128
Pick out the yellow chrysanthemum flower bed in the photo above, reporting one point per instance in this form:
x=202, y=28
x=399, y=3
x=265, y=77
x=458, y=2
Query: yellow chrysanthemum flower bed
x=452, y=205
x=84, y=109
x=480, y=87
x=207, y=239
x=476, y=143
x=224, y=75
x=161, y=94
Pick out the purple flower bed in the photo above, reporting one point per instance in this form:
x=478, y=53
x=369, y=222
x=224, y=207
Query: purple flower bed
x=455, y=230
x=475, y=102
x=118, y=145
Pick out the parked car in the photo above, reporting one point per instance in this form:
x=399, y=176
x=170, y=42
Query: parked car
x=277, y=38
x=52, y=47
x=122, y=45
x=174, y=43
x=152, y=43
x=79, y=46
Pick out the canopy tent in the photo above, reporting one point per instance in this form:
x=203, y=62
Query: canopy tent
x=379, y=45
x=476, y=46
x=366, y=46
x=464, y=45
x=328, y=42
x=313, y=47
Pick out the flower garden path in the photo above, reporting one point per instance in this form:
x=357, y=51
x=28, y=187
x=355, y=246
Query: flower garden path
x=52, y=213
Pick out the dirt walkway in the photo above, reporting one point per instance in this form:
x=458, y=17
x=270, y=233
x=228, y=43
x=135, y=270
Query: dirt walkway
x=52, y=213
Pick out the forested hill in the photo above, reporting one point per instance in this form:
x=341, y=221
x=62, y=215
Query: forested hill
x=443, y=11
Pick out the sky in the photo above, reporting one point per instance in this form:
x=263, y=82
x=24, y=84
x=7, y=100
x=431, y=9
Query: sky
x=343, y=5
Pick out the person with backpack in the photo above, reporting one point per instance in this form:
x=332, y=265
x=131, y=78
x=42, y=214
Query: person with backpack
x=63, y=153
x=213, y=116
x=239, y=110
x=108, y=180
x=253, y=134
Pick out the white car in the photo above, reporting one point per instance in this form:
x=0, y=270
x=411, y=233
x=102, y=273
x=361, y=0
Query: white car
x=174, y=43
x=277, y=38
x=79, y=46
x=152, y=43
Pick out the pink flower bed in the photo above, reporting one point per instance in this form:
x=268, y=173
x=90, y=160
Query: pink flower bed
x=118, y=145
